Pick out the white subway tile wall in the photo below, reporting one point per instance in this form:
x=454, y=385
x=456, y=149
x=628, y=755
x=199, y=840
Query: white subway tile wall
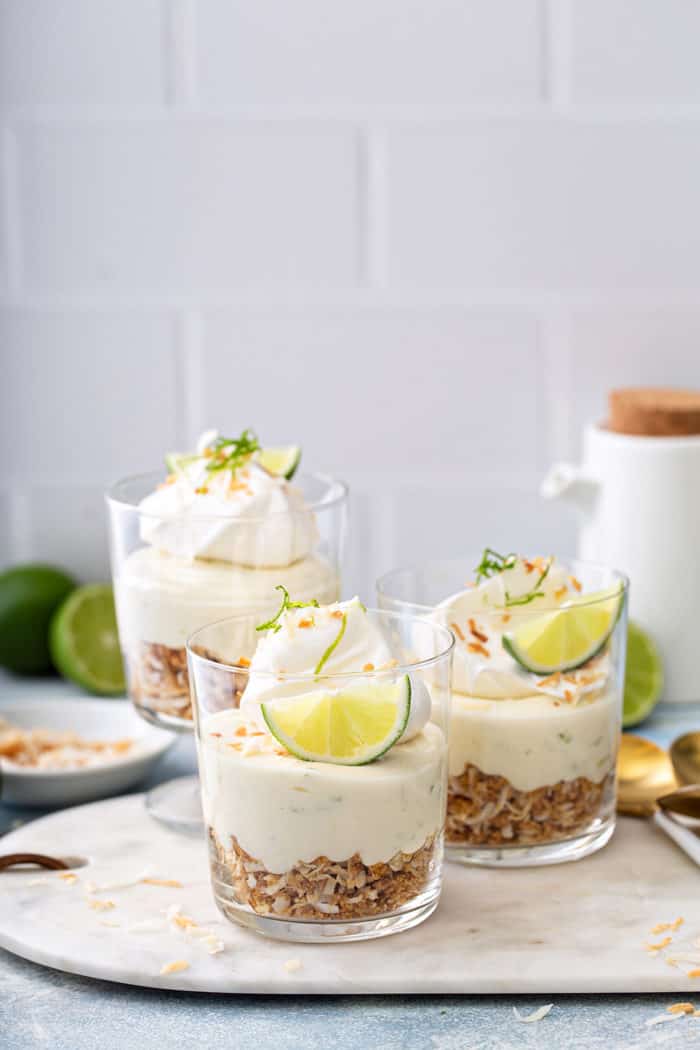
x=422, y=240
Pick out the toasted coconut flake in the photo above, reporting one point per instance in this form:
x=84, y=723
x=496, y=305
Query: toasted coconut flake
x=663, y=943
x=293, y=965
x=477, y=647
x=174, y=967
x=458, y=631
x=559, y=593
x=175, y=883
x=536, y=1015
x=661, y=927
x=243, y=661
x=680, y=1008
x=506, y=618
x=100, y=905
x=661, y=1019
x=368, y=667
x=306, y=622
x=337, y=614
x=68, y=877
x=576, y=584
x=693, y=973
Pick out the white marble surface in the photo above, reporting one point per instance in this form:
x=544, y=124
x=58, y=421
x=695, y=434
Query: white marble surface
x=569, y=928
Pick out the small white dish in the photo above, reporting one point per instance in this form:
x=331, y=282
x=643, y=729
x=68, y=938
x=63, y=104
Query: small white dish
x=92, y=719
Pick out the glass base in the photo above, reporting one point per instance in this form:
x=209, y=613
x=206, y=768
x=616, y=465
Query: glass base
x=301, y=932
x=177, y=804
x=561, y=852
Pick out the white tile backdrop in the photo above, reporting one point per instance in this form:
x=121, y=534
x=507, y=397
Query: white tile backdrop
x=423, y=240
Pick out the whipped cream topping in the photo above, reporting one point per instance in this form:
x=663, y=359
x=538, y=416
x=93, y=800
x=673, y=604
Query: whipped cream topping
x=343, y=638
x=243, y=515
x=481, y=614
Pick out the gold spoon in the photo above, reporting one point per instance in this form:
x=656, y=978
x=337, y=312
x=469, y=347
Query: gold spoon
x=644, y=772
x=685, y=755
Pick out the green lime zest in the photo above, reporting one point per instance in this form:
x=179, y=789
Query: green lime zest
x=287, y=603
x=232, y=453
x=333, y=646
x=492, y=562
x=535, y=592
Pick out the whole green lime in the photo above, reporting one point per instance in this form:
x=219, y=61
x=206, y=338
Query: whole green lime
x=29, y=595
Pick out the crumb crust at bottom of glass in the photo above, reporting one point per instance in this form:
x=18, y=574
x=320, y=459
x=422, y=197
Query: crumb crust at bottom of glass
x=325, y=899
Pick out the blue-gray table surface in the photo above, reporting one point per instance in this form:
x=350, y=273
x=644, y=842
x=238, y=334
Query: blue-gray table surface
x=42, y=1007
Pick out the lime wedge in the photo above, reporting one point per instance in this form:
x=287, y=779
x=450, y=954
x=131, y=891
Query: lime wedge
x=644, y=676
x=84, y=642
x=568, y=637
x=282, y=461
x=351, y=727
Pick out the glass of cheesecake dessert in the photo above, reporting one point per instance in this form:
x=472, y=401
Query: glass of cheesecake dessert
x=322, y=746
x=211, y=535
x=537, y=687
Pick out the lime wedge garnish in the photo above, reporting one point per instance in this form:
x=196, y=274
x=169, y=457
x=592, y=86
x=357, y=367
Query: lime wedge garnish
x=568, y=637
x=351, y=727
x=84, y=641
x=282, y=461
x=644, y=676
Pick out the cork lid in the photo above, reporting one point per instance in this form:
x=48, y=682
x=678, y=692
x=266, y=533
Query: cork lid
x=654, y=411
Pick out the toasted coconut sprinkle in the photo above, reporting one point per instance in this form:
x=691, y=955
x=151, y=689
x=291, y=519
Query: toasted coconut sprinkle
x=337, y=614
x=662, y=944
x=307, y=622
x=243, y=661
x=99, y=905
x=477, y=647
x=68, y=877
x=536, y=1015
x=201, y=490
x=680, y=1008
x=505, y=618
x=293, y=965
x=458, y=631
x=477, y=633
x=174, y=967
x=529, y=566
x=693, y=973
x=560, y=592
x=552, y=679
x=368, y=667
x=661, y=927
x=568, y=696
x=175, y=883
x=241, y=731
x=576, y=584
x=215, y=734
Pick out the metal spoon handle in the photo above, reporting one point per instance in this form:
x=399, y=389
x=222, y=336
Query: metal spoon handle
x=11, y=860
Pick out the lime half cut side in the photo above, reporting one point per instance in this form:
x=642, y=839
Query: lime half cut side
x=350, y=727
x=282, y=461
x=568, y=637
x=644, y=676
x=84, y=641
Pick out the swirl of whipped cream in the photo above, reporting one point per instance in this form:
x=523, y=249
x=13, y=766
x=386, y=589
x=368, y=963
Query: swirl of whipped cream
x=479, y=616
x=246, y=517
x=305, y=637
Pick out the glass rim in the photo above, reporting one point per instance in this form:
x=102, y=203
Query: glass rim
x=499, y=610
x=307, y=676
x=337, y=493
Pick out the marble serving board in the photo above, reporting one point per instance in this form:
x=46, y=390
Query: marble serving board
x=569, y=928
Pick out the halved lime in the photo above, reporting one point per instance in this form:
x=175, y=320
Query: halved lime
x=282, y=461
x=84, y=641
x=351, y=727
x=29, y=595
x=644, y=676
x=568, y=637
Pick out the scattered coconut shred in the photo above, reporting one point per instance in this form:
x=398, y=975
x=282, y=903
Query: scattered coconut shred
x=684, y=955
x=536, y=1015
